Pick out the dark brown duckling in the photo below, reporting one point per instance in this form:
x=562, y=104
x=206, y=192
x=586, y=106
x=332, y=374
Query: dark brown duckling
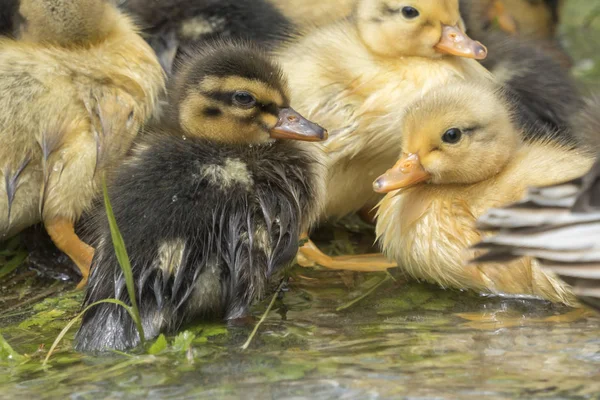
x=210, y=202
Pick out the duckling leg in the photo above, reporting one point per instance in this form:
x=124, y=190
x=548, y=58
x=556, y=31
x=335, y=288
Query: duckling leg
x=62, y=233
x=506, y=22
x=309, y=255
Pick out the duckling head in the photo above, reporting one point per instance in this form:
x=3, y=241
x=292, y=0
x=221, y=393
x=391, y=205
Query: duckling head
x=425, y=28
x=234, y=93
x=459, y=134
x=65, y=22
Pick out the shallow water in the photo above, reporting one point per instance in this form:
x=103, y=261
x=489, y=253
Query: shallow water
x=403, y=340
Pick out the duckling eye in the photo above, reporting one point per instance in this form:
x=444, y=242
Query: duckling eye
x=244, y=99
x=410, y=12
x=452, y=135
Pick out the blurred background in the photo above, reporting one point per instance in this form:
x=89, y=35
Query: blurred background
x=580, y=34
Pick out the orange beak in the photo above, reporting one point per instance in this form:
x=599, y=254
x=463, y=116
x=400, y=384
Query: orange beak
x=407, y=172
x=455, y=42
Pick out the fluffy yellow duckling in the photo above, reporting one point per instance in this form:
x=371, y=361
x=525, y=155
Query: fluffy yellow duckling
x=355, y=77
x=461, y=156
x=74, y=90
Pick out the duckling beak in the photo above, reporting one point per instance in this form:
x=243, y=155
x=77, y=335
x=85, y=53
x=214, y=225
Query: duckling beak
x=407, y=172
x=455, y=42
x=292, y=125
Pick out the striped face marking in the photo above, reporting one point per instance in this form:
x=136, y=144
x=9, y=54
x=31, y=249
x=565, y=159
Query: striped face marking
x=232, y=109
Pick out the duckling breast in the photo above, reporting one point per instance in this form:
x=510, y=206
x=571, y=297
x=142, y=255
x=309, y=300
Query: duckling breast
x=205, y=226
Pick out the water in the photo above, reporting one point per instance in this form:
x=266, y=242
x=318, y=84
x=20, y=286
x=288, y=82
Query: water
x=411, y=340
x=404, y=340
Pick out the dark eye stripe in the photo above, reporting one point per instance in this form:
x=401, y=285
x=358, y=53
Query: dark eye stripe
x=223, y=97
x=227, y=98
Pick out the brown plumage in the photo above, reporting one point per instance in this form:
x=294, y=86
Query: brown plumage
x=463, y=155
x=74, y=89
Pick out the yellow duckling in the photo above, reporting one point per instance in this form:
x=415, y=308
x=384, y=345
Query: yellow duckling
x=355, y=77
x=461, y=156
x=74, y=91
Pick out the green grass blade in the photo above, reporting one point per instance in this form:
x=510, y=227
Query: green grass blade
x=123, y=259
x=70, y=324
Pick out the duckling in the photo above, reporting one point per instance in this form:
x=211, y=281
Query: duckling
x=559, y=225
x=211, y=201
x=176, y=27
x=355, y=76
x=462, y=154
x=74, y=90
